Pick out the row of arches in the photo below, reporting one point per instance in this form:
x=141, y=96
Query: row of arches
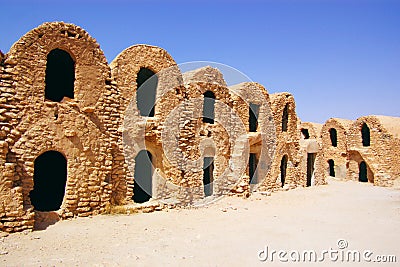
x=50, y=178
x=362, y=170
x=365, y=136
x=60, y=78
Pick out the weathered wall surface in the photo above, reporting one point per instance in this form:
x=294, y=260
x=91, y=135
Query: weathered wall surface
x=101, y=127
x=287, y=144
x=76, y=127
x=337, y=153
x=312, y=166
x=262, y=139
x=381, y=155
x=141, y=132
x=313, y=130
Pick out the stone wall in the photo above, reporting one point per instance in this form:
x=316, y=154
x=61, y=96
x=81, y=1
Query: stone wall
x=262, y=139
x=287, y=144
x=381, y=155
x=312, y=155
x=76, y=128
x=336, y=155
x=99, y=131
x=142, y=132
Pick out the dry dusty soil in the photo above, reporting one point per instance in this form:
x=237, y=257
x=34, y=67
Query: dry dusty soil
x=230, y=232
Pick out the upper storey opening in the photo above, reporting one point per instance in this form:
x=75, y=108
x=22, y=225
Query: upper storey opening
x=147, y=82
x=60, y=75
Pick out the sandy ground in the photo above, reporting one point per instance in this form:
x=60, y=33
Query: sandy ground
x=230, y=232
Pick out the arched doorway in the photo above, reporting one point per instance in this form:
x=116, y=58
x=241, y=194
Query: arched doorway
x=60, y=75
x=363, y=172
x=284, y=162
x=208, y=107
x=253, y=162
x=365, y=134
x=147, y=82
x=333, y=136
x=142, y=187
x=208, y=176
x=49, y=179
x=331, y=167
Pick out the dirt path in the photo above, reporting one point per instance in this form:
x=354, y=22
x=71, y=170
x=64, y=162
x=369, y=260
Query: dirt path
x=230, y=232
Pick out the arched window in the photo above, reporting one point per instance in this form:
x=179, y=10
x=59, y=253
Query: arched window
x=254, y=110
x=143, y=184
x=365, y=133
x=147, y=82
x=49, y=180
x=60, y=75
x=305, y=133
x=284, y=162
x=208, y=107
x=333, y=136
x=285, y=118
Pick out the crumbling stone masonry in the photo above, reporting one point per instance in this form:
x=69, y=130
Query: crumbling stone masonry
x=78, y=136
x=373, y=150
x=334, y=142
x=284, y=171
x=312, y=156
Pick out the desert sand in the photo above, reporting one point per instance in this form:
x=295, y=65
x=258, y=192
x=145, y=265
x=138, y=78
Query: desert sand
x=230, y=232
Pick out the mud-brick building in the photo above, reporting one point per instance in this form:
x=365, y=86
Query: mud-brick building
x=284, y=171
x=56, y=122
x=79, y=135
x=311, y=154
x=334, y=135
x=374, y=149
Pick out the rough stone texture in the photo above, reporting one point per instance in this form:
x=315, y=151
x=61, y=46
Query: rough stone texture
x=314, y=130
x=312, y=145
x=100, y=132
x=287, y=143
x=142, y=133
x=31, y=125
x=261, y=142
x=205, y=74
x=382, y=156
x=339, y=153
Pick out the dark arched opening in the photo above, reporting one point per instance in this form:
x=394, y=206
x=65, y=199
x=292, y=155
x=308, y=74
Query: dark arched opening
x=60, y=75
x=253, y=117
x=208, y=177
x=331, y=167
x=333, y=136
x=284, y=162
x=305, y=133
x=310, y=167
x=49, y=180
x=365, y=133
x=208, y=107
x=253, y=162
x=142, y=187
x=285, y=118
x=147, y=82
x=363, y=176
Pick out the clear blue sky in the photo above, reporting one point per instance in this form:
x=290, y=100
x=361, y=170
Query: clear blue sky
x=339, y=58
